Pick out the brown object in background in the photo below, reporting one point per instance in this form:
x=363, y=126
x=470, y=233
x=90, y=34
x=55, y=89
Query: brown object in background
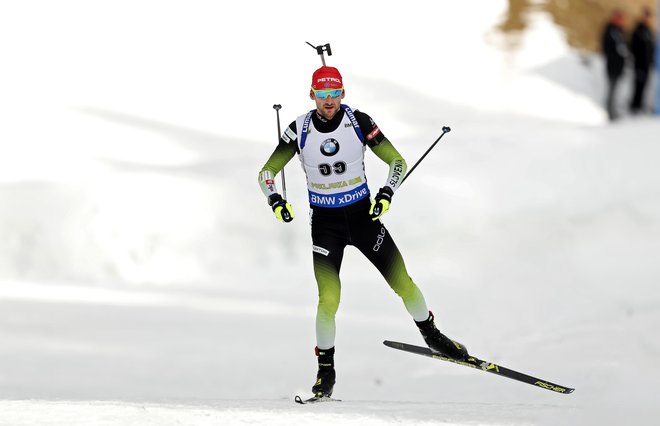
x=582, y=21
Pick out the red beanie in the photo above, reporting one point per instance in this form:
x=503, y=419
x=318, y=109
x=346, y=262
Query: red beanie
x=327, y=78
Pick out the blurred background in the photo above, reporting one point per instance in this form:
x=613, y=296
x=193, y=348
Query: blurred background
x=140, y=261
x=122, y=125
x=581, y=21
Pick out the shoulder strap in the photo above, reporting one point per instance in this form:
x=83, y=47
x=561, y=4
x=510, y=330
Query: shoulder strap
x=305, y=129
x=351, y=117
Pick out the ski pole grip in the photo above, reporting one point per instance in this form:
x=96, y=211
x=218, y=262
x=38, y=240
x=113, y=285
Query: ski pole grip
x=445, y=129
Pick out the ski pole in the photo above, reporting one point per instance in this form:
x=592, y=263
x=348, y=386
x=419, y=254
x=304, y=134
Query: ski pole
x=445, y=129
x=320, y=49
x=277, y=108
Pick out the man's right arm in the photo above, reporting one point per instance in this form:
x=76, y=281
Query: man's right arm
x=284, y=152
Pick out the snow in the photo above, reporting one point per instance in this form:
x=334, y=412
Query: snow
x=374, y=413
x=143, y=280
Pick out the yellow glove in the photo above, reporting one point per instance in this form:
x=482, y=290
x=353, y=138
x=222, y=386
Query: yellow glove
x=381, y=203
x=283, y=210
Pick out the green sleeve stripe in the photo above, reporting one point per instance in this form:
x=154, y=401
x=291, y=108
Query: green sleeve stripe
x=278, y=159
x=386, y=151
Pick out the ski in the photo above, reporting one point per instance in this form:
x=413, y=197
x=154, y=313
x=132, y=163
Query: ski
x=315, y=399
x=479, y=364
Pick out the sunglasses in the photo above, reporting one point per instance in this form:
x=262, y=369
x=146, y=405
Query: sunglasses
x=324, y=93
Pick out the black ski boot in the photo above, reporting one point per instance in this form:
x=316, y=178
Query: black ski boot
x=438, y=342
x=325, y=378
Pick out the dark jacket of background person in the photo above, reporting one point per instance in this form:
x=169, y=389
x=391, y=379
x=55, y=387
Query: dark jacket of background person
x=614, y=48
x=642, y=47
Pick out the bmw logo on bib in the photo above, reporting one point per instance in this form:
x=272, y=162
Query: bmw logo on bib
x=329, y=147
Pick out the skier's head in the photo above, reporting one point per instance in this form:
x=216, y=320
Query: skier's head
x=327, y=91
x=326, y=78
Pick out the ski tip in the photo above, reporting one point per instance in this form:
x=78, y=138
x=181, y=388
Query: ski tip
x=564, y=391
x=315, y=399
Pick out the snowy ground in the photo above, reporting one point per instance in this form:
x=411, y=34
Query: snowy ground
x=143, y=280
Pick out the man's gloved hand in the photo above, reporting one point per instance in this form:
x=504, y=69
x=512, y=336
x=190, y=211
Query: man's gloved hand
x=282, y=209
x=381, y=203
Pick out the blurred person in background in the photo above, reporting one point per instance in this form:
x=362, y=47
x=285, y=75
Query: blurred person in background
x=615, y=51
x=330, y=141
x=642, y=47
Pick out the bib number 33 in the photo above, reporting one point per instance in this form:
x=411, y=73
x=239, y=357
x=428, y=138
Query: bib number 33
x=326, y=169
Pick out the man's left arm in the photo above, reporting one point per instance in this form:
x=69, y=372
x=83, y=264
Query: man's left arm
x=384, y=150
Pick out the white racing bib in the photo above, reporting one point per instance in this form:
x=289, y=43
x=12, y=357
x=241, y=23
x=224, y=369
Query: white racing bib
x=333, y=162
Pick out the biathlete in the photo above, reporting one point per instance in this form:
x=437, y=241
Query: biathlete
x=330, y=142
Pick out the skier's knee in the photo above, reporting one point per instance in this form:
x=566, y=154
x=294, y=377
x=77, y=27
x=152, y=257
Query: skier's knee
x=405, y=289
x=328, y=304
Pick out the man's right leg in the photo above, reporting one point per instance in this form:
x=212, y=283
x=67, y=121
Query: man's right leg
x=328, y=253
x=326, y=271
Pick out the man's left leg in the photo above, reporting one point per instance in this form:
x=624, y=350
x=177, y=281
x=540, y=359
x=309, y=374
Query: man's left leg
x=378, y=246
